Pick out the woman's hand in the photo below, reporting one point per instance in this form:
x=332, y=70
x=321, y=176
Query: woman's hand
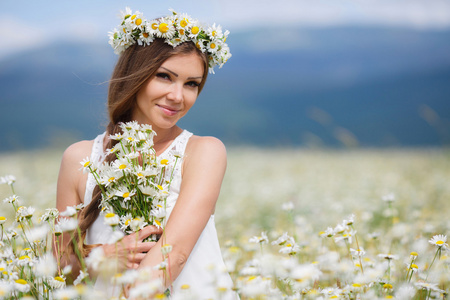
x=131, y=249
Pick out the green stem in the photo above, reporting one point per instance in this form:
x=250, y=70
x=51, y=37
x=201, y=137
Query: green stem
x=434, y=258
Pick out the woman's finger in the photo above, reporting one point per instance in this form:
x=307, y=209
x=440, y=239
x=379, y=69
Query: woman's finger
x=132, y=265
x=136, y=257
x=144, y=247
x=149, y=230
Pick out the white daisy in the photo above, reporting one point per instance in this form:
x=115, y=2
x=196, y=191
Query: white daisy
x=439, y=241
x=137, y=224
x=13, y=199
x=95, y=258
x=111, y=219
x=166, y=29
x=65, y=224
x=57, y=282
x=85, y=164
x=8, y=179
x=69, y=212
x=213, y=46
x=125, y=193
x=262, y=239
x=215, y=32
x=21, y=285
x=195, y=29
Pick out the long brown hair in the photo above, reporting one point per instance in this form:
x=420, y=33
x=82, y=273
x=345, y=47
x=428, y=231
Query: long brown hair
x=135, y=66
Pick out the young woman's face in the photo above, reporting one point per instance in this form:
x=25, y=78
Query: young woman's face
x=168, y=95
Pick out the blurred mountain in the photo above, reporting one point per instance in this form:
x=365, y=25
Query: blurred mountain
x=310, y=86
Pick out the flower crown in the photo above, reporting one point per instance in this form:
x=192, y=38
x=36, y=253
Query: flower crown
x=174, y=29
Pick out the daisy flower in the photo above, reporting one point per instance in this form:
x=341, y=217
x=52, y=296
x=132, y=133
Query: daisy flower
x=195, y=29
x=439, y=241
x=85, y=164
x=69, y=212
x=8, y=179
x=65, y=224
x=213, y=46
x=111, y=219
x=165, y=29
x=215, y=32
x=21, y=285
x=121, y=165
x=125, y=193
x=262, y=239
x=57, y=282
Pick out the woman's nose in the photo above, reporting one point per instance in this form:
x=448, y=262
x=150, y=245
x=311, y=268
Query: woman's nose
x=176, y=92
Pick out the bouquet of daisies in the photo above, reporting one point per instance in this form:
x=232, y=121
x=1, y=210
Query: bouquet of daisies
x=136, y=184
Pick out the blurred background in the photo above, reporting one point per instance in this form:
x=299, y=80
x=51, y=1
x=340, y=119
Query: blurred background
x=335, y=73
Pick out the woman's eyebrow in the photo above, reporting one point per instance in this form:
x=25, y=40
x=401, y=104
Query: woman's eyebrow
x=172, y=72
x=176, y=75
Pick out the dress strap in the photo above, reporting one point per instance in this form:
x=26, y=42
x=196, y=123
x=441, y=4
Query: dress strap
x=97, y=155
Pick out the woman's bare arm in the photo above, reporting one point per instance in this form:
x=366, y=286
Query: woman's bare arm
x=70, y=191
x=203, y=171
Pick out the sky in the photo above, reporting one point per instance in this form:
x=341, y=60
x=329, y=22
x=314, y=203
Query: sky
x=28, y=24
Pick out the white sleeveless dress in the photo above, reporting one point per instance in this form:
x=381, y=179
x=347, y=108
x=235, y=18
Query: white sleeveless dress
x=204, y=270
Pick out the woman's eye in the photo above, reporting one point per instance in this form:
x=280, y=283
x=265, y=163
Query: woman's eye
x=163, y=75
x=193, y=84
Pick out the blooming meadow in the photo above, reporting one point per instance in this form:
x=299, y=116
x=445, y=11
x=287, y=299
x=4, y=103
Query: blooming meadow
x=293, y=224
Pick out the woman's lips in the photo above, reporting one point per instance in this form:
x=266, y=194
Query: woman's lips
x=167, y=110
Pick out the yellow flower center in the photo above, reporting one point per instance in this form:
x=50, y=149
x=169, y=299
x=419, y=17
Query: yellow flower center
x=122, y=166
x=212, y=46
x=414, y=253
x=164, y=161
x=158, y=222
x=154, y=26
x=414, y=266
x=126, y=195
x=160, y=296
x=57, y=278
x=183, y=23
x=24, y=257
x=86, y=164
x=111, y=179
x=127, y=222
x=145, y=34
x=2, y=219
x=213, y=33
x=182, y=31
x=110, y=215
x=163, y=27
x=21, y=281
x=133, y=17
x=124, y=30
x=195, y=29
x=439, y=242
x=140, y=175
x=357, y=285
x=185, y=286
x=160, y=187
x=138, y=22
x=387, y=286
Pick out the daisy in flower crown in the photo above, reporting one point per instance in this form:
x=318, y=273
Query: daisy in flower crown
x=174, y=29
x=161, y=69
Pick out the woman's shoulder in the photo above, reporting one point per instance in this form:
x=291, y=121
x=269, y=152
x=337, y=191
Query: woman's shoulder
x=78, y=151
x=206, y=147
x=205, y=143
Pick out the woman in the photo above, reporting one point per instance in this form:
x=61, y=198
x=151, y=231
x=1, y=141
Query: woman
x=161, y=70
